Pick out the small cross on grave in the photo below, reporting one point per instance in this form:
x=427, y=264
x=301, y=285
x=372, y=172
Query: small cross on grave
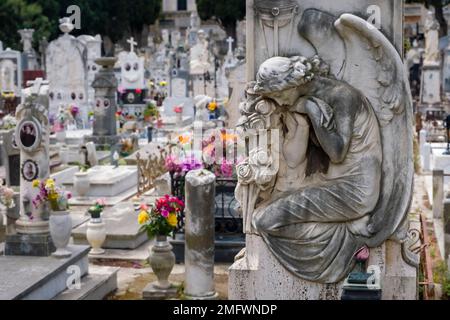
x=230, y=41
x=35, y=85
x=132, y=44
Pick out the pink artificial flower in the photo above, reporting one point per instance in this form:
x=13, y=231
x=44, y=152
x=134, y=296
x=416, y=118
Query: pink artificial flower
x=362, y=254
x=227, y=169
x=165, y=213
x=101, y=202
x=143, y=206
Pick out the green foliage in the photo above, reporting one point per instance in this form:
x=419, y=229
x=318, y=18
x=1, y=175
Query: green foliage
x=441, y=275
x=226, y=12
x=157, y=226
x=19, y=14
x=151, y=110
x=115, y=19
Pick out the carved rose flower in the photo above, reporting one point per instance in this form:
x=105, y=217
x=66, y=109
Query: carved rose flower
x=264, y=176
x=264, y=107
x=257, y=122
x=260, y=157
x=244, y=172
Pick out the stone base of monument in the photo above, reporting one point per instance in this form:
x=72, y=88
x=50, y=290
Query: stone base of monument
x=103, y=141
x=96, y=285
x=122, y=228
x=225, y=247
x=259, y=276
x=399, y=280
x=152, y=292
x=40, y=278
x=37, y=245
x=72, y=137
x=44, y=278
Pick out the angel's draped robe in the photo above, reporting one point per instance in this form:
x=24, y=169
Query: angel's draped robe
x=315, y=231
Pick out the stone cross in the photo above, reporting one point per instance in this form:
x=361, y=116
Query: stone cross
x=132, y=44
x=36, y=85
x=230, y=41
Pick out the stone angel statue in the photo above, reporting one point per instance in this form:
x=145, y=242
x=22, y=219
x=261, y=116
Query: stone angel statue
x=343, y=178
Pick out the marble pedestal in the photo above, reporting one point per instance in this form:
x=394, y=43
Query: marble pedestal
x=151, y=292
x=37, y=245
x=259, y=276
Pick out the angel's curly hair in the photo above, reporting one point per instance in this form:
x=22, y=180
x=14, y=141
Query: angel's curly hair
x=281, y=73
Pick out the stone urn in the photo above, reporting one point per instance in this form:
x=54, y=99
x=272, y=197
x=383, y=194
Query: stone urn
x=81, y=184
x=162, y=260
x=60, y=224
x=96, y=235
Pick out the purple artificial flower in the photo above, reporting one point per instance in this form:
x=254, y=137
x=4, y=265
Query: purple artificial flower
x=191, y=163
x=227, y=169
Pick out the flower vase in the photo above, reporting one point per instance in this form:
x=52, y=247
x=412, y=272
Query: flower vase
x=60, y=224
x=82, y=184
x=162, y=261
x=96, y=235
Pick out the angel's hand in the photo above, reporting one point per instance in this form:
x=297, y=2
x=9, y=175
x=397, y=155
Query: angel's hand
x=300, y=106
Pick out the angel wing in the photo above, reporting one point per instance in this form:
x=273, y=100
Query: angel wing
x=374, y=67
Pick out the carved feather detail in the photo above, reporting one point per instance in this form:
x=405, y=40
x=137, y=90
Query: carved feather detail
x=379, y=74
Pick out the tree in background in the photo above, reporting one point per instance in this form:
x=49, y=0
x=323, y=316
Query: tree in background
x=18, y=14
x=439, y=12
x=112, y=19
x=226, y=12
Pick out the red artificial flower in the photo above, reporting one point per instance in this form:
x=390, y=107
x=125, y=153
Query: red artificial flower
x=138, y=91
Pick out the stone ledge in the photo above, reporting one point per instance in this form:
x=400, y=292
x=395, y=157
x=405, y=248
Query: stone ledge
x=39, y=278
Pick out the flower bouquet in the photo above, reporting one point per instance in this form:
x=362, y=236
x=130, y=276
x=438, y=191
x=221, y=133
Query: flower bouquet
x=161, y=220
x=57, y=198
x=97, y=209
x=8, y=122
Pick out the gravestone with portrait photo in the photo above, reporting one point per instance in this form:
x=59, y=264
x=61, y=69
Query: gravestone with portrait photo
x=105, y=85
x=132, y=88
x=32, y=139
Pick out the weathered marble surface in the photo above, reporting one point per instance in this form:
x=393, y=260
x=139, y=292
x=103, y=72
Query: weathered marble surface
x=199, y=233
x=314, y=211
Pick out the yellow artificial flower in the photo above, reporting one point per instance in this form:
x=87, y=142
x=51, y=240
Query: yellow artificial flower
x=143, y=217
x=172, y=220
x=212, y=106
x=35, y=183
x=50, y=184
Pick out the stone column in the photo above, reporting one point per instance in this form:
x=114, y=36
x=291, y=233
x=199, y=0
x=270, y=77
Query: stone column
x=438, y=193
x=422, y=138
x=446, y=222
x=426, y=157
x=199, y=234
